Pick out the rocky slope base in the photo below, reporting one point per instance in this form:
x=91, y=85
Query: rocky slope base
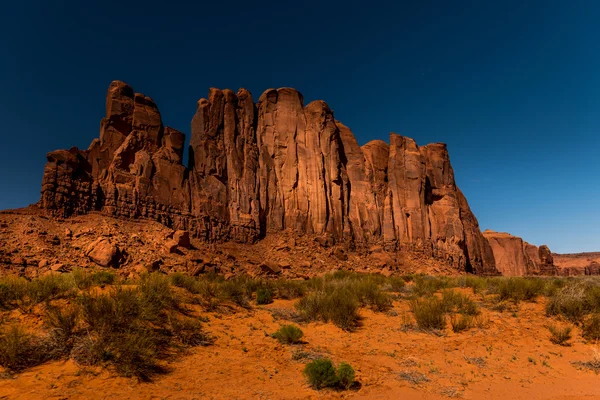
x=33, y=244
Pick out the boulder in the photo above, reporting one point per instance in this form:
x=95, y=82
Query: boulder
x=103, y=252
x=270, y=268
x=182, y=238
x=58, y=267
x=170, y=246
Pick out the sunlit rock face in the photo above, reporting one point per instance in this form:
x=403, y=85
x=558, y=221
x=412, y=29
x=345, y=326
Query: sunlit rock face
x=515, y=257
x=259, y=168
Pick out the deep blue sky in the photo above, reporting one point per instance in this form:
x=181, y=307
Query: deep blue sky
x=513, y=87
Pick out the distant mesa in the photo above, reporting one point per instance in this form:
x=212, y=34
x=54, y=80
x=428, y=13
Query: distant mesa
x=256, y=169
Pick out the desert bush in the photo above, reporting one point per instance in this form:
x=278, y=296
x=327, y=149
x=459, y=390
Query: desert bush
x=338, y=306
x=264, y=296
x=458, y=302
x=208, y=294
x=135, y=353
x=560, y=336
x=428, y=285
x=47, y=288
x=288, y=334
x=62, y=324
x=290, y=289
x=113, y=312
x=155, y=296
x=189, y=332
x=369, y=293
x=184, y=281
x=571, y=302
x=476, y=283
x=430, y=314
x=20, y=350
x=131, y=329
x=396, y=284
x=346, y=375
x=12, y=291
x=236, y=291
x=103, y=278
x=591, y=328
x=516, y=289
x=461, y=322
x=321, y=373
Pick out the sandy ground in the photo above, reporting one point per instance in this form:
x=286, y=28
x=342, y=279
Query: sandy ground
x=510, y=359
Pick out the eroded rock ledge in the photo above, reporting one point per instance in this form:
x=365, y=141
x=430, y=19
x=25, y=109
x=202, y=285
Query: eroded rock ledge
x=260, y=168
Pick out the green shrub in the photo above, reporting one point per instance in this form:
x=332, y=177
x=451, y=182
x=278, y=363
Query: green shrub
x=458, y=302
x=516, y=289
x=321, y=373
x=236, y=291
x=135, y=353
x=345, y=374
x=429, y=313
x=20, y=350
x=591, y=328
x=48, y=287
x=155, y=296
x=477, y=283
x=189, y=332
x=288, y=334
x=103, y=278
x=396, y=284
x=428, y=285
x=290, y=289
x=62, y=324
x=368, y=293
x=12, y=291
x=560, y=336
x=264, y=296
x=338, y=306
x=461, y=323
x=571, y=302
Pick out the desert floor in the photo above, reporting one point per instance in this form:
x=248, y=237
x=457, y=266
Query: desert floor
x=510, y=358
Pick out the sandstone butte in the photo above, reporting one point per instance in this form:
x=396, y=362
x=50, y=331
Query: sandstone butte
x=256, y=169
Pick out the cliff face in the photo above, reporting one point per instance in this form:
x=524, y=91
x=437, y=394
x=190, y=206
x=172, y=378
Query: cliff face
x=515, y=257
x=260, y=168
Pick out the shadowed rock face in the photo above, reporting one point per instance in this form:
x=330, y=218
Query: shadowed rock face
x=515, y=257
x=256, y=169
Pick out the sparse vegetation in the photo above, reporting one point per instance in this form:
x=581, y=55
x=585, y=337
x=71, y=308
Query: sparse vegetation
x=591, y=328
x=461, y=322
x=288, y=334
x=430, y=314
x=321, y=373
x=346, y=375
x=413, y=377
x=264, y=296
x=339, y=306
x=560, y=336
x=20, y=350
x=134, y=328
x=516, y=289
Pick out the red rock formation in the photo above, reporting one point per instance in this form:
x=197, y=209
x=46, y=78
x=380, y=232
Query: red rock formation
x=255, y=169
x=577, y=264
x=515, y=257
